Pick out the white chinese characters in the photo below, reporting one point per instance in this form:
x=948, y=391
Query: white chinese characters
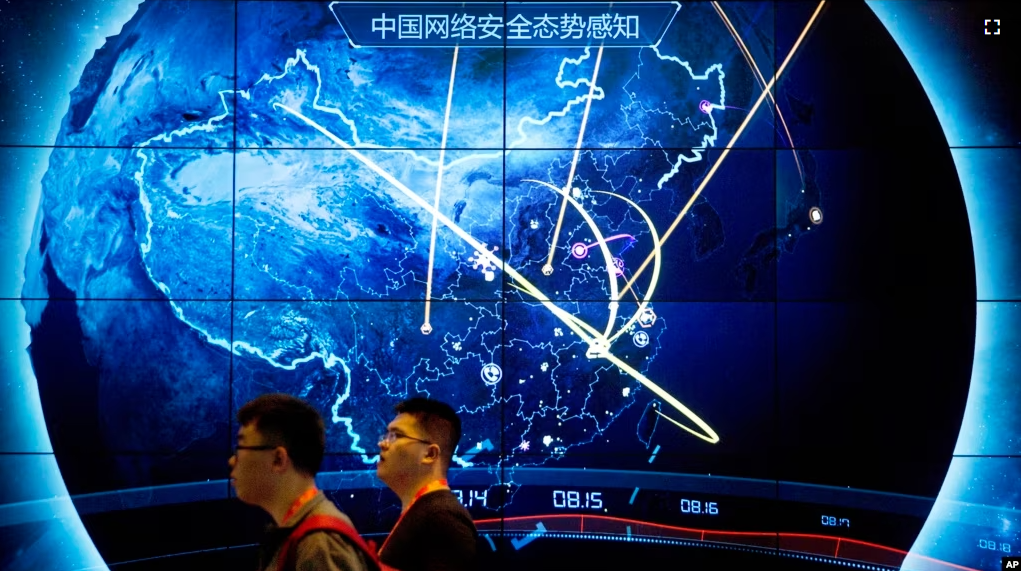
x=464, y=26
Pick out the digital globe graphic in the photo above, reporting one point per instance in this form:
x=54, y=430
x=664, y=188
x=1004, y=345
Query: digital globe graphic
x=661, y=249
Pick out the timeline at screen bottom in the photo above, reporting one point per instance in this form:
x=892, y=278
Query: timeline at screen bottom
x=682, y=515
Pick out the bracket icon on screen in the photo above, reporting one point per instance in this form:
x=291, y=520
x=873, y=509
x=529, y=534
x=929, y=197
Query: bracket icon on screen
x=992, y=27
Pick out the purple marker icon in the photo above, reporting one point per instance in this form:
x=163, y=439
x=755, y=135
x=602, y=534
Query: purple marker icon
x=579, y=250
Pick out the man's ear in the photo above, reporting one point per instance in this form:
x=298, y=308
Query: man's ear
x=281, y=459
x=432, y=454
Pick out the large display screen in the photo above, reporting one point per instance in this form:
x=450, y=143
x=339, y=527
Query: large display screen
x=711, y=282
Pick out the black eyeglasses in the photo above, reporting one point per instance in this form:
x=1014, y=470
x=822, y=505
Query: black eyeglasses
x=390, y=436
x=259, y=447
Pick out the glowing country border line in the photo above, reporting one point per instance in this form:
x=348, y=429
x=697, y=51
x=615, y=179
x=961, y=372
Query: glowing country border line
x=559, y=81
x=707, y=140
x=709, y=435
x=548, y=268
x=300, y=56
x=329, y=360
x=762, y=81
x=426, y=328
x=730, y=145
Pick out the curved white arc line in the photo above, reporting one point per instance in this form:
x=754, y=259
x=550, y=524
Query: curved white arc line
x=713, y=437
x=762, y=82
x=607, y=257
x=567, y=318
x=657, y=261
x=737, y=134
x=709, y=435
x=496, y=261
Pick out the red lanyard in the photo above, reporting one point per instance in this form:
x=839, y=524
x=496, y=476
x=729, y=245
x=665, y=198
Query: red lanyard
x=440, y=484
x=430, y=487
x=298, y=503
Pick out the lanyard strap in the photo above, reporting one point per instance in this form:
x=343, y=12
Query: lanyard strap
x=430, y=487
x=301, y=501
x=440, y=484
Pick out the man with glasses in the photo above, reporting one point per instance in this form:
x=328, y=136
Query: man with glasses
x=279, y=450
x=434, y=530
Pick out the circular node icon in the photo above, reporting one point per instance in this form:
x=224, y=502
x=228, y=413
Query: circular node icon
x=641, y=339
x=491, y=374
x=815, y=215
x=578, y=250
x=704, y=106
x=426, y=329
x=547, y=270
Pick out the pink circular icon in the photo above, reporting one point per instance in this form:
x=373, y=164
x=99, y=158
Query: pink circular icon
x=704, y=106
x=579, y=250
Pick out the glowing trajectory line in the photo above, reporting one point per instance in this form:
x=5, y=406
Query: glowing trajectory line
x=707, y=433
x=762, y=81
x=730, y=145
x=642, y=303
x=548, y=268
x=657, y=253
x=426, y=327
x=607, y=256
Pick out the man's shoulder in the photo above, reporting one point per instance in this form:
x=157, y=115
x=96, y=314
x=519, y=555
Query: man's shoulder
x=441, y=499
x=442, y=515
x=329, y=547
x=329, y=550
x=326, y=507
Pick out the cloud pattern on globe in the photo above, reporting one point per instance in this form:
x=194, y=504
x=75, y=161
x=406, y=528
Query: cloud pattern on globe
x=273, y=240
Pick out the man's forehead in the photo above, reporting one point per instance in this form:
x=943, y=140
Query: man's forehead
x=403, y=420
x=246, y=430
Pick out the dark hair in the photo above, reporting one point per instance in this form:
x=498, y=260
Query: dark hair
x=438, y=419
x=292, y=423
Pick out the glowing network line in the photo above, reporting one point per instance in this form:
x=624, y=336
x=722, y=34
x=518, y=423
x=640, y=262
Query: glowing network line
x=643, y=303
x=571, y=321
x=595, y=341
x=580, y=250
x=762, y=82
x=657, y=253
x=426, y=327
x=730, y=145
x=548, y=268
x=601, y=346
x=607, y=256
x=330, y=360
x=658, y=243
